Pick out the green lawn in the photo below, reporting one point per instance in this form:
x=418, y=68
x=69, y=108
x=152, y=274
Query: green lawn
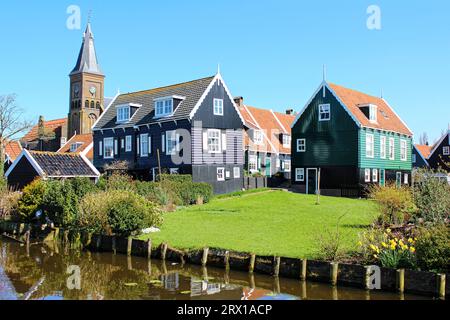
x=269, y=223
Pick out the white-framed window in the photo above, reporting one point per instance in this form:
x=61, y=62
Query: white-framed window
x=128, y=143
x=257, y=137
x=287, y=165
x=123, y=113
x=220, y=174
x=383, y=147
x=299, y=174
x=236, y=172
x=406, y=178
x=62, y=142
x=171, y=142
x=75, y=146
x=370, y=145
x=278, y=162
x=446, y=151
x=252, y=163
x=324, y=112
x=214, y=141
x=218, y=107
x=286, y=141
x=100, y=148
x=163, y=107
x=375, y=175
x=108, y=148
x=144, y=145
x=367, y=175
x=373, y=113
x=391, y=149
x=414, y=158
x=301, y=145
x=403, y=150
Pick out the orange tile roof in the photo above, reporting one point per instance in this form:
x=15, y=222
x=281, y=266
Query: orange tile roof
x=13, y=149
x=424, y=150
x=52, y=125
x=85, y=140
x=386, y=119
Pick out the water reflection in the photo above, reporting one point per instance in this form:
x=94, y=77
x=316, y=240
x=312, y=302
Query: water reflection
x=41, y=272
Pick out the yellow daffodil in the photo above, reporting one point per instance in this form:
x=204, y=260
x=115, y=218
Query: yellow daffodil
x=384, y=244
x=388, y=230
x=412, y=249
x=360, y=243
x=410, y=240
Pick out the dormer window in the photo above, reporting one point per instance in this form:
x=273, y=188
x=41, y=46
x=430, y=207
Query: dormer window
x=74, y=146
x=123, y=113
x=258, y=137
x=286, y=140
x=165, y=106
x=373, y=113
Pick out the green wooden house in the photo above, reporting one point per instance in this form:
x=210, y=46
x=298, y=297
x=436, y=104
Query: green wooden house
x=344, y=140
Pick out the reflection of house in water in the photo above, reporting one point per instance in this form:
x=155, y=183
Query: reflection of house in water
x=171, y=281
x=203, y=287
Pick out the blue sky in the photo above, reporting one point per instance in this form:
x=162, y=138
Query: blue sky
x=270, y=52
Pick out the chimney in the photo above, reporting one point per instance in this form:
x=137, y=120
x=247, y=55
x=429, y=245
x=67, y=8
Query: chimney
x=239, y=101
x=290, y=112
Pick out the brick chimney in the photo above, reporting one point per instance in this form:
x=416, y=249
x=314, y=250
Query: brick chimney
x=290, y=112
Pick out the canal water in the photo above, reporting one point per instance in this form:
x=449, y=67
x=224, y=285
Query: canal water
x=53, y=273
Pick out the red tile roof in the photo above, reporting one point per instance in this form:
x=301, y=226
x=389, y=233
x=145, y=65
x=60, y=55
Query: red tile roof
x=52, y=125
x=424, y=150
x=85, y=140
x=387, y=119
x=13, y=150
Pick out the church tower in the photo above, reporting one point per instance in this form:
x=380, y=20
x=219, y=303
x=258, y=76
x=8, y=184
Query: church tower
x=86, y=88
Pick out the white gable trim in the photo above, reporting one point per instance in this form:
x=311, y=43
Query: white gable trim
x=89, y=163
x=279, y=122
x=218, y=77
x=30, y=158
x=105, y=111
x=261, y=130
x=421, y=155
x=437, y=145
x=87, y=149
x=322, y=86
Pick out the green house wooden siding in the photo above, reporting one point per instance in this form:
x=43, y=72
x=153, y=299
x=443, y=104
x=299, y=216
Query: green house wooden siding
x=377, y=162
x=328, y=143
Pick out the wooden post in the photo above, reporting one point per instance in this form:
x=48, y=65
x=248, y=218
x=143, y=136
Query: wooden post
x=149, y=248
x=205, y=256
x=163, y=251
x=334, y=273
x=159, y=162
x=276, y=268
x=401, y=280
x=441, y=285
x=129, y=246
x=227, y=260
x=113, y=240
x=303, y=270
x=252, y=262
x=318, y=187
x=99, y=242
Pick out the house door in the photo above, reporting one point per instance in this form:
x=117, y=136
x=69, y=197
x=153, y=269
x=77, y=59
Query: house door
x=399, y=179
x=268, y=167
x=311, y=181
x=382, y=177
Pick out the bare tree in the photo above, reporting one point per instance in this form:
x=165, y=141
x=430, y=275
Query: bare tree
x=423, y=139
x=11, y=124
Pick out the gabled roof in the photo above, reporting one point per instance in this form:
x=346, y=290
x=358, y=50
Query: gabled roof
x=85, y=148
x=192, y=93
x=52, y=125
x=352, y=100
x=87, y=58
x=12, y=150
x=57, y=165
x=437, y=144
x=424, y=150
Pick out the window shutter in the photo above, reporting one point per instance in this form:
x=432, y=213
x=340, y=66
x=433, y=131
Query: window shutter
x=100, y=148
x=178, y=138
x=116, y=151
x=163, y=142
x=149, y=144
x=138, y=146
x=224, y=142
x=205, y=141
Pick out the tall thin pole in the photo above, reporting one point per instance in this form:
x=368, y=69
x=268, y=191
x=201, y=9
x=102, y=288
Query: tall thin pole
x=159, y=163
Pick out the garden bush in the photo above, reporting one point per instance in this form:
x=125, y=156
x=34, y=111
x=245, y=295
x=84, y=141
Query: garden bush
x=181, y=178
x=433, y=248
x=9, y=203
x=117, y=181
x=152, y=191
x=93, y=213
x=82, y=186
x=396, y=204
x=431, y=196
x=60, y=202
x=31, y=200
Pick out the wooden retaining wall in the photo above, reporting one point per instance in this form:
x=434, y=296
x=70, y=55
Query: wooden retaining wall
x=403, y=281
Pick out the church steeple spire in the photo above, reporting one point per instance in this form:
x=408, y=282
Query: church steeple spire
x=87, y=58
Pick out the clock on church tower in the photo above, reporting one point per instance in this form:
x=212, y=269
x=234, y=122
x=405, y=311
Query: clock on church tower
x=87, y=88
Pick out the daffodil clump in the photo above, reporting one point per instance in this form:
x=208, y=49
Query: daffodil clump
x=388, y=249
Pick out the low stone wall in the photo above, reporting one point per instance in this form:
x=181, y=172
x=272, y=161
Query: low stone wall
x=403, y=281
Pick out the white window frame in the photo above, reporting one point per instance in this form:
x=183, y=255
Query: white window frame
x=258, y=137
x=367, y=175
x=301, y=145
x=171, y=141
x=286, y=140
x=108, y=144
x=144, y=145
x=325, y=112
x=383, y=147
x=220, y=174
x=214, y=137
x=163, y=107
x=375, y=175
x=237, y=172
x=252, y=163
x=218, y=107
x=406, y=178
x=370, y=146
x=391, y=148
x=373, y=109
x=299, y=174
x=446, y=151
x=74, y=146
x=123, y=113
x=403, y=150
x=128, y=144
x=287, y=165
